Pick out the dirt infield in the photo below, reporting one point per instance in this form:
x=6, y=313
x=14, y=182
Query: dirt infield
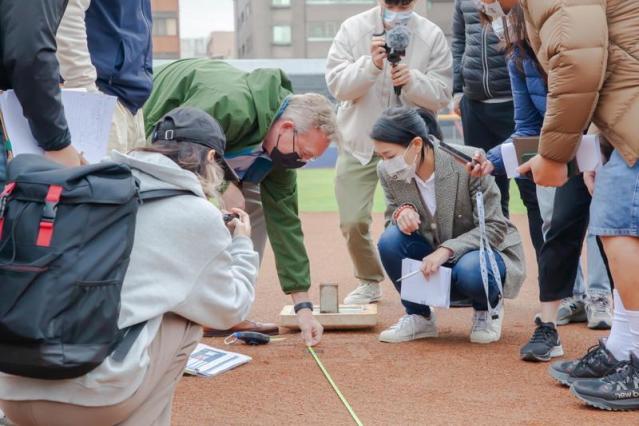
x=440, y=381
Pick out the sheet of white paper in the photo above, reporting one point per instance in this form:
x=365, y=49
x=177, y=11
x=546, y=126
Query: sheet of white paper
x=509, y=157
x=88, y=114
x=589, y=153
x=434, y=291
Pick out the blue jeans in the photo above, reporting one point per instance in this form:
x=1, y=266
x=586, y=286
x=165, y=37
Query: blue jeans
x=466, y=283
x=615, y=205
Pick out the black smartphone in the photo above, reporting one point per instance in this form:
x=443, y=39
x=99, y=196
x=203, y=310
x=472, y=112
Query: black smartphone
x=457, y=154
x=230, y=216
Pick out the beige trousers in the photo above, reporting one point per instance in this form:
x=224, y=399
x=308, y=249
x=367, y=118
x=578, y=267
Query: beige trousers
x=149, y=405
x=253, y=201
x=355, y=190
x=127, y=130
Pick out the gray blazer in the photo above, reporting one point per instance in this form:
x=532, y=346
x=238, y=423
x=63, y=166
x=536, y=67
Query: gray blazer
x=456, y=225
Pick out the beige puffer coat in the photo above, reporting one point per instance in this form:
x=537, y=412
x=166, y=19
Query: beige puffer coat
x=590, y=50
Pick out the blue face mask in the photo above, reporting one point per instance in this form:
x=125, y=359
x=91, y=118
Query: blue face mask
x=397, y=18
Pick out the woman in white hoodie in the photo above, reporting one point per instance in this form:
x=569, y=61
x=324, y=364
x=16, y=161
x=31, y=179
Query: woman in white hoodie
x=188, y=269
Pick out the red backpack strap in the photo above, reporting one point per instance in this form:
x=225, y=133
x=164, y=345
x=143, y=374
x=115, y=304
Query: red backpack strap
x=6, y=192
x=45, y=234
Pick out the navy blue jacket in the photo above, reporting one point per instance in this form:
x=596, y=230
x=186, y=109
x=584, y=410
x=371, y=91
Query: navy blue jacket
x=120, y=43
x=529, y=98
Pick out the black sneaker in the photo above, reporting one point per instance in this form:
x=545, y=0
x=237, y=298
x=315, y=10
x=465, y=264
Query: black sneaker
x=617, y=392
x=544, y=343
x=597, y=363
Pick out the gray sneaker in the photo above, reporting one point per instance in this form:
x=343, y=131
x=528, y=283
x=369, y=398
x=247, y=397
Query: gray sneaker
x=571, y=309
x=599, y=312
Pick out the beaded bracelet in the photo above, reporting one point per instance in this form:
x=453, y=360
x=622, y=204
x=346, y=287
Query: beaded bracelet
x=400, y=209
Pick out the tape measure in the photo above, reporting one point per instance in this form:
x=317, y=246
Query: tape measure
x=335, y=388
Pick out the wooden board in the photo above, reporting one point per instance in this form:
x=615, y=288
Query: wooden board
x=349, y=317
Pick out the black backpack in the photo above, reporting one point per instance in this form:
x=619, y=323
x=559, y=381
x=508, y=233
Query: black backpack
x=66, y=236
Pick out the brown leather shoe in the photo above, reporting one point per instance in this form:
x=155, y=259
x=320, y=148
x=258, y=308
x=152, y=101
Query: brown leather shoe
x=261, y=327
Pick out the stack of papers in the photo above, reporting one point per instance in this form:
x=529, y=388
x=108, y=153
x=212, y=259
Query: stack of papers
x=432, y=291
x=206, y=361
x=89, y=116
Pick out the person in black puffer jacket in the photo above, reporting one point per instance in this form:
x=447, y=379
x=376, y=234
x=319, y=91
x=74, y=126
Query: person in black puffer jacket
x=481, y=85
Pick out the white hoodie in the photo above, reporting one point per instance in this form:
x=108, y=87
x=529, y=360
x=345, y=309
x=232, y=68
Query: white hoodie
x=365, y=91
x=183, y=261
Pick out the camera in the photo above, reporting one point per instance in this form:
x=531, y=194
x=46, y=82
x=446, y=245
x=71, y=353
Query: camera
x=394, y=56
x=230, y=216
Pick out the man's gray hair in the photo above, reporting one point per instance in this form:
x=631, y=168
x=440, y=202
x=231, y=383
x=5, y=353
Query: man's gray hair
x=312, y=110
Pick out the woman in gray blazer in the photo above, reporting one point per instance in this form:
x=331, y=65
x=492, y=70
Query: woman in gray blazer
x=432, y=216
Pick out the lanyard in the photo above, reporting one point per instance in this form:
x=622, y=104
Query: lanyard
x=486, y=251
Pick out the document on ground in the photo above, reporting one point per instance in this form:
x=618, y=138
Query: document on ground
x=206, y=361
x=89, y=116
x=432, y=291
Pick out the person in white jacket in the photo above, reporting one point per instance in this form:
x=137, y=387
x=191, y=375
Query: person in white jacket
x=360, y=77
x=188, y=269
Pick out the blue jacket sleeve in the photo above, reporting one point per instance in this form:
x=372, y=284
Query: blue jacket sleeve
x=494, y=156
x=528, y=120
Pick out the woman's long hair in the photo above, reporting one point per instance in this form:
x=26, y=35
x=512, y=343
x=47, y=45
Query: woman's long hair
x=517, y=44
x=194, y=158
x=521, y=43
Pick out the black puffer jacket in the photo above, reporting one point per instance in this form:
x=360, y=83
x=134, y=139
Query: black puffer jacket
x=29, y=66
x=479, y=65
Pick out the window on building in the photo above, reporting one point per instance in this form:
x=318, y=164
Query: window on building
x=165, y=26
x=282, y=34
x=322, y=31
x=281, y=3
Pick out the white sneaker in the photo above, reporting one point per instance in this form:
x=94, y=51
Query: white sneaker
x=599, y=312
x=410, y=327
x=485, y=328
x=364, y=294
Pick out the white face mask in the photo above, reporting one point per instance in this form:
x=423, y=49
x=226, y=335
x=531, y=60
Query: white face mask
x=493, y=10
x=502, y=27
x=397, y=18
x=499, y=28
x=399, y=169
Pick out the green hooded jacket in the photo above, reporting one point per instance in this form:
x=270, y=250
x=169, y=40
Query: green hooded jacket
x=244, y=104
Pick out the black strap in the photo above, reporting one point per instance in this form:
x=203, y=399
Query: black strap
x=159, y=194
x=125, y=345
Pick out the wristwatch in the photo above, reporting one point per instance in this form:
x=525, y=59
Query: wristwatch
x=303, y=305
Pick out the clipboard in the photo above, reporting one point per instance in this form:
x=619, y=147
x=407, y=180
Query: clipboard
x=526, y=147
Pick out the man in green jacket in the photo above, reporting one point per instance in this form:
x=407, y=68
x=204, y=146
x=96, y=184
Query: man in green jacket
x=269, y=132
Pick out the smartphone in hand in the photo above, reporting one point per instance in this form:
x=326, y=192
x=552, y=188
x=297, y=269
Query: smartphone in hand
x=456, y=154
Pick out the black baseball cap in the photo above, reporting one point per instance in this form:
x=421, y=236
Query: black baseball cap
x=189, y=124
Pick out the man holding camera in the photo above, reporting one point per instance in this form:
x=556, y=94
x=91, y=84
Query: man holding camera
x=365, y=82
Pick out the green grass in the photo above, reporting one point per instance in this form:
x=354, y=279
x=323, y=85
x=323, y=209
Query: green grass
x=317, y=193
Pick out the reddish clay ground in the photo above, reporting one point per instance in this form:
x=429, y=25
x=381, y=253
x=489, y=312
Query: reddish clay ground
x=446, y=380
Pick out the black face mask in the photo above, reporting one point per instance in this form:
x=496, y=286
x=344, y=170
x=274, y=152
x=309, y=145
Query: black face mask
x=287, y=161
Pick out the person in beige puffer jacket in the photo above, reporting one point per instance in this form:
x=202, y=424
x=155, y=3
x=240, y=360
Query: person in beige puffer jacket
x=590, y=50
